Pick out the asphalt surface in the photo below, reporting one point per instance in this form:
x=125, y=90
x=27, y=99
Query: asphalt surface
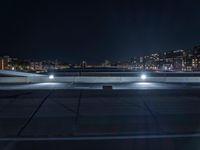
x=100, y=119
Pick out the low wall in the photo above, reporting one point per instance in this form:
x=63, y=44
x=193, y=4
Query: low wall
x=13, y=79
x=18, y=73
x=75, y=79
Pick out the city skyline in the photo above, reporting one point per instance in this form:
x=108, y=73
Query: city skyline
x=102, y=60
x=78, y=61
x=173, y=60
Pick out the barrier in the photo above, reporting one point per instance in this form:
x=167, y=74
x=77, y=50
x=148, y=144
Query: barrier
x=77, y=79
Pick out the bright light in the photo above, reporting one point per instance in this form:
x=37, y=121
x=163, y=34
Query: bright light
x=51, y=76
x=143, y=76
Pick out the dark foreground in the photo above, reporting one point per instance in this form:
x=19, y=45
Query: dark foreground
x=100, y=119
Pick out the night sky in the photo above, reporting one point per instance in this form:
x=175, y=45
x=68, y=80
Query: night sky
x=73, y=31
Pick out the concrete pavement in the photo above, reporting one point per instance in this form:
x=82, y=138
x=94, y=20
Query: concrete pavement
x=101, y=112
x=171, y=114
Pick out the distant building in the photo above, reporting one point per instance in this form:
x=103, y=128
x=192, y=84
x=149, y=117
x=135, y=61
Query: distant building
x=36, y=66
x=135, y=62
x=196, y=58
x=179, y=60
x=106, y=63
x=4, y=63
x=173, y=60
x=151, y=62
x=189, y=61
x=168, y=61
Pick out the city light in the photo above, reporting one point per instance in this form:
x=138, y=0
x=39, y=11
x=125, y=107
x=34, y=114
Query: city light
x=51, y=77
x=143, y=76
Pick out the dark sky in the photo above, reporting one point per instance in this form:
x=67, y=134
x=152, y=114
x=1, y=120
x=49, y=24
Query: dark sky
x=96, y=30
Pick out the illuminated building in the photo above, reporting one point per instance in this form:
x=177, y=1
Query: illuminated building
x=4, y=63
x=196, y=58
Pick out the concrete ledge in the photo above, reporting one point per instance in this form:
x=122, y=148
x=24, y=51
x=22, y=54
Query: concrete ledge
x=75, y=79
x=18, y=73
x=13, y=79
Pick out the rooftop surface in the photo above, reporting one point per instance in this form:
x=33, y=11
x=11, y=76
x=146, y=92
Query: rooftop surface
x=153, y=118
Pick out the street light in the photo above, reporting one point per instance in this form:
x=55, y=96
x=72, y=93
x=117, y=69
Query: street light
x=51, y=77
x=143, y=77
